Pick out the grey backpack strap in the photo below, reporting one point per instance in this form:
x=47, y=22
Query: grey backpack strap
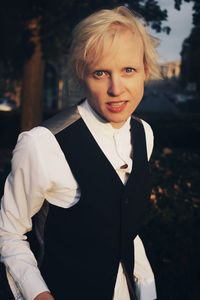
x=62, y=120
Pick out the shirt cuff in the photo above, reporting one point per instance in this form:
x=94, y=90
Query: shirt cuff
x=32, y=285
x=145, y=289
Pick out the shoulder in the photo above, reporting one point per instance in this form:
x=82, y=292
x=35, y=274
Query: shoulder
x=34, y=146
x=148, y=130
x=148, y=135
x=34, y=136
x=149, y=138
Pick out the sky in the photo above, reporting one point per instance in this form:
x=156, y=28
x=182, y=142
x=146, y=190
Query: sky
x=180, y=23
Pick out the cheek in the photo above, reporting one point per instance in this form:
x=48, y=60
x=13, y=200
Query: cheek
x=95, y=91
x=137, y=87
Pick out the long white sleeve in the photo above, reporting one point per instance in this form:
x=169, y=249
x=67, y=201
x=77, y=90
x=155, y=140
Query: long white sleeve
x=23, y=197
x=144, y=277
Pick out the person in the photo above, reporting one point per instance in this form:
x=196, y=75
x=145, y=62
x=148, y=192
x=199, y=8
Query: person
x=83, y=176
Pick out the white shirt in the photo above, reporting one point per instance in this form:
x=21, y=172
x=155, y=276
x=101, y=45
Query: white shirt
x=40, y=171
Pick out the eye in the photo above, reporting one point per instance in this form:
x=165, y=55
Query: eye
x=129, y=70
x=100, y=74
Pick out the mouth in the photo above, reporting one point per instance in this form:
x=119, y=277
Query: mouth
x=116, y=106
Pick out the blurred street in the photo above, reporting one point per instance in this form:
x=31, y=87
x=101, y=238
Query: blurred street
x=156, y=99
x=168, y=97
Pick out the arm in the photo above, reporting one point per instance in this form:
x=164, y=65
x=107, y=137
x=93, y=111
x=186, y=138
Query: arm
x=23, y=197
x=149, y=138
x=144, y=278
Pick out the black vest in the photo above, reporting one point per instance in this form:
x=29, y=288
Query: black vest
x=85, y=243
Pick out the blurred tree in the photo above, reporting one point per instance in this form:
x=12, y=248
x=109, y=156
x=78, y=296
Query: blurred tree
x=31, y=32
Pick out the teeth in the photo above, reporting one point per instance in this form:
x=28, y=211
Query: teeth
x=116, y=104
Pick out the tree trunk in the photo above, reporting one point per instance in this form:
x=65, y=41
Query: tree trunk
x=32, y=85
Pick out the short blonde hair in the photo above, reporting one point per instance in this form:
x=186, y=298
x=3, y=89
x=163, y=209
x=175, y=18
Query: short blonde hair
x=89, y=35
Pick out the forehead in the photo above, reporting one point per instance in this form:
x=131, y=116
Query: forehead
x=123, y=47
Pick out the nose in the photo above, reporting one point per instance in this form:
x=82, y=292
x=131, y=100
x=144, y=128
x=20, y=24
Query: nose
x=116, y=86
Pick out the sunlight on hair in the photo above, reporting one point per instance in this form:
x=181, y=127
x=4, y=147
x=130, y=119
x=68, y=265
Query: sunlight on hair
x=90, y=40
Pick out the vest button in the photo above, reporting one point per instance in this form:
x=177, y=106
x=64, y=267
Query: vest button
x=126, y=201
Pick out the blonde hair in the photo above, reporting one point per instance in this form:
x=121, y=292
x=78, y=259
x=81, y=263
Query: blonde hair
x=88, y=39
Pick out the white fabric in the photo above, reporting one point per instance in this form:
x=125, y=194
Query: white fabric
x=40, y=171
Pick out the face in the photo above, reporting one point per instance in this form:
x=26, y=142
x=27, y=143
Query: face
x=115, y=84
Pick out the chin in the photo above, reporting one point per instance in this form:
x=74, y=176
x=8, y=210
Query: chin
x=117, y=123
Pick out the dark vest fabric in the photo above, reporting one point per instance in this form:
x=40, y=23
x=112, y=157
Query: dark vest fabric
x=85, y=243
